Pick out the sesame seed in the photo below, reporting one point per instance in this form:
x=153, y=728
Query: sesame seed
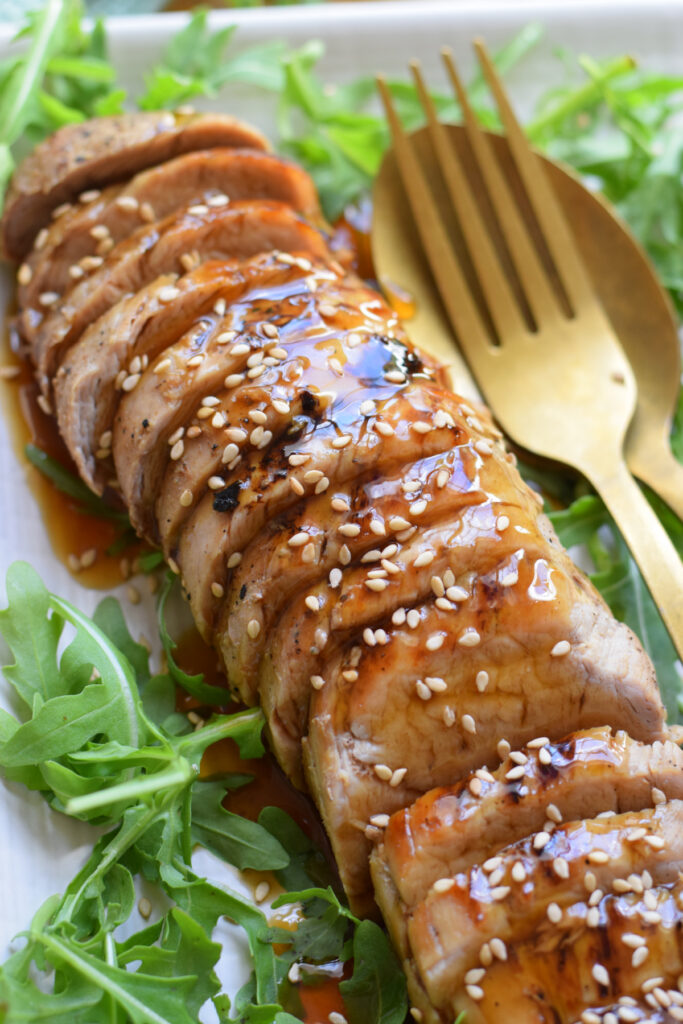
x=48, y=298
x=99, y=231
x=420, y=427
x=236, y=434
x=588, y=1017
x=76, y=272
x=88, y=558
x=130, y=382
x=475, y=786
x=502, y=523
x=518, y=757
x=498, y=949
x=270, y=330
x=312, y=603
x=230, y=452
x=199, y=209
x=554, y=813
x=24, y=274
x=255, y=372
x=297, y=459
x=322, y=485
x=541, y=840
x=468, y=724
x=640, y=955
x=253, y=628
x=632, y=940
x=397, y=777
x=195, y=361
x=326, y=309
x=133, y=594
x=317, y=682
x=456, y=594
x=186, y=498
x=655, y=842
x=424, y=558
x=340, y=504
x=518, y=772
x=518, y=872
x=344, y=554
x=600, y=974
x=350, y=675
x=41, y=239
x=482, y=680
x=294, y=974
x=385, y=429
x=168, y=293
x=177, y=450
x=261, y=891
x=561, y=648
x=126, y=202
x=217, y=589
x=395, y=377
x=598, y=857
x=418, y=507
x=398, y=523
x=280, y=406
x=383, y=772
x=434, y=642
x=469, y=638
x=9, y=372
x=474, y=992
x=436, y=684
x=161, y=366
x=503, y=749
x=216, y=483
x=544, y=756
x=500, y=892
x=540, y=741
x=376, y=585
x=422, y=690
x=367, y=408
x=89, y=195
x=554, y=913
x=349, y=529
x=657, y=796
x=483, y=447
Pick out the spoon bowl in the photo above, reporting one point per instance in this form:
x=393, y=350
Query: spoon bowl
x=639, y=309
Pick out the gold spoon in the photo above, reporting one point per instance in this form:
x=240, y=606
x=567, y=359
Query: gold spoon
x=636, y=304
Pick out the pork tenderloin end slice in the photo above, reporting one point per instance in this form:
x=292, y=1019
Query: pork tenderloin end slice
x=82, y=157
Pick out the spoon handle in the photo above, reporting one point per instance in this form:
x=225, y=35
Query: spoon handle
x=664, y=474
x=649, y=542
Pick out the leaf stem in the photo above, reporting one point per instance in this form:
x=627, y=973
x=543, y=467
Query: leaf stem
x=578, y=100
x=175, y=776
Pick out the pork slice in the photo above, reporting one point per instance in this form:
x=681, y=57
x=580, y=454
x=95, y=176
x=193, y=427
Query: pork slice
x=551, y=975
x=86, y=232
x=272, y=573
x=452, y=828
x=143, y=324
x=241, y=229
x=260, y=490
x=302, y=638
x=380, y=719
x=239, y=377
x=87, y=156
x=446, y=931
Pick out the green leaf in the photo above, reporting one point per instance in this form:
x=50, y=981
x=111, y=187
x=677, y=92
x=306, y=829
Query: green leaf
x=31, y=634
x=109, y=617
x=376, y=991
x=72, y=486
x=194, y=685
x=146, y=999
x=578, y=523
x=237, y=840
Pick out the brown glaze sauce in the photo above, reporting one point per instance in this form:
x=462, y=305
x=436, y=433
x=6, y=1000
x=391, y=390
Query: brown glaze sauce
x=72, y=531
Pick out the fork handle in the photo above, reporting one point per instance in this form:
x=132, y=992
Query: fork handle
x=649, y=542
x=664, y=474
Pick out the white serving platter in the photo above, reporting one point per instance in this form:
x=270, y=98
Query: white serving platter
x=39, y=850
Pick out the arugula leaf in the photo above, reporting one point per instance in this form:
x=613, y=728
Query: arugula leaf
x=376, y=991
x=241, y=842
x=73, y=486
x=195, y=684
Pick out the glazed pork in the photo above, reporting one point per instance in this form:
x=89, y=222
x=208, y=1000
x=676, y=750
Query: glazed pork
x=359, y=547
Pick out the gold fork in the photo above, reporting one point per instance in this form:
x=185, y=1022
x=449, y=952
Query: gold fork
x=527, y=318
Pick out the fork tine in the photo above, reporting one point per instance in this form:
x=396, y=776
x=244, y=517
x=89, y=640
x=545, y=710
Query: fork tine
x=542, y=300
x=500, y=300
x=556, y=233
x=461, y=310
